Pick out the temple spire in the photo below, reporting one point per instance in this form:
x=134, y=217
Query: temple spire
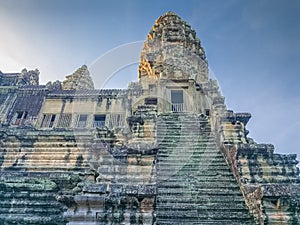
x=172, y=50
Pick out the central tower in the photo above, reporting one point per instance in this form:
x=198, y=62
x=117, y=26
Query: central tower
x=173, y=66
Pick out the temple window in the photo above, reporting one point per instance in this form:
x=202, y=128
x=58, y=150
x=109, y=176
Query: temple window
x=82, y=121
x=115, y=120
x=177, y=100
x=207, y=112
x=20, y=117
x=48, y=120
x=65, y=120
x=99, y=120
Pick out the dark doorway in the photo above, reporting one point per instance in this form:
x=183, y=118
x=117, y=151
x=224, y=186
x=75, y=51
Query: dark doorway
x=99, y=120
x=177, y=100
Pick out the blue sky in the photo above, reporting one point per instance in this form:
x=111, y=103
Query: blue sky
x=252, y=46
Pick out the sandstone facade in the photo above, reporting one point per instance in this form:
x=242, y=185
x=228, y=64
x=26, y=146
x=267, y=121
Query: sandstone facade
x=166, y=150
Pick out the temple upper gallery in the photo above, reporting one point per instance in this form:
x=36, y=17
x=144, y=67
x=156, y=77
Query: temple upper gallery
x=166, y=150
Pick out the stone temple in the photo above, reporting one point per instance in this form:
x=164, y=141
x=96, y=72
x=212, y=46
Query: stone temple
x=166, y=150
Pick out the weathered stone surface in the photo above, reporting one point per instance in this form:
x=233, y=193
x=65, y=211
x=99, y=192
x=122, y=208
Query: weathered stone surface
x=24, y=78
x=56, y=85
x=79, y=80
x=269, y=181
x=164, y=151
x=32, y=198
x=172, y=50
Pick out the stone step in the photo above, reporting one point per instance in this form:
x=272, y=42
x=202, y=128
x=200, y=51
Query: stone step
x=195, y=169
x=208, y=221
x=202, y=206
x=177, y=213
x=205, y=208
x=206, y=165
x=183, y=125
x=203, y=154
x=195, y=153
x=45, y=160
x=49, y=143
x=211, y=180
x=47, y=169
x=191, y=153
x=164, y=134
x=204, y=214
x=171, y=162
x=208, y=157
x=178, y=123
x=180, y=139
x=24, y=209
x=166, y=161
x=51, y=164
x=45, y=149
x=229, y=184
x=42, y=196
x=20, y=203
x=194, y=122
x=185, y=131
x=34, y=219
x=202, y=200
x=188, y=127
x=162, y=120
x=179, y=146
x=29, y=159
x=197, y=149
x=83, y=221
x=210, y=177
x=169, y=142
x=183, y=118
x=190, y=147
x=195, y=139
x=202, y=191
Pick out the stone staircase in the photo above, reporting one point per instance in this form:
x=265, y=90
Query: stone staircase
x=194, y=183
